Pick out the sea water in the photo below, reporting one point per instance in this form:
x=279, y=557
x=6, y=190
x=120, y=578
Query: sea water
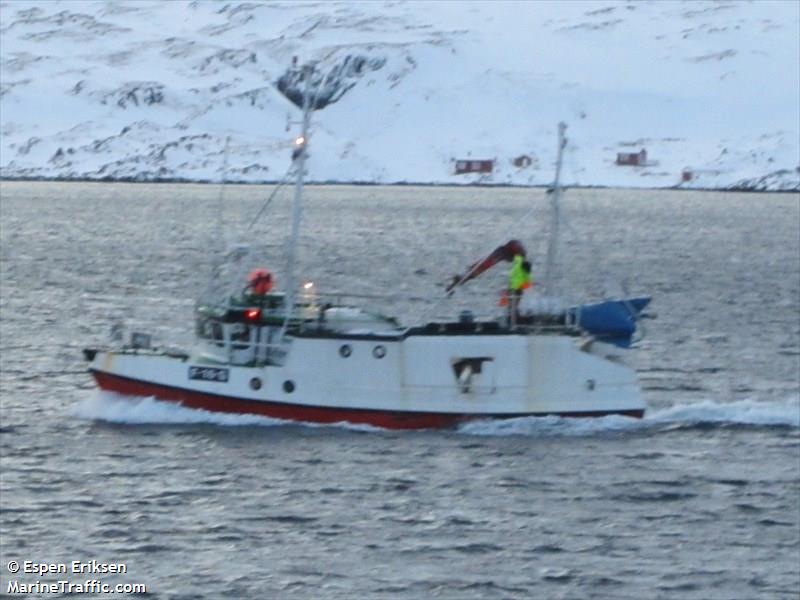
x=700, y=499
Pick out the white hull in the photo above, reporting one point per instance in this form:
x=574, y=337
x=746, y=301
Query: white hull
x=413, y=380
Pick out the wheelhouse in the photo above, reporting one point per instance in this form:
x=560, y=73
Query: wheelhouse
x=251, y=329
x=245, y=331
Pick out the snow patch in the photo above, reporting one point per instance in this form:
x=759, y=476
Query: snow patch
x=710, y=90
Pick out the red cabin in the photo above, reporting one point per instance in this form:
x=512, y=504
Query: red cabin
x=632, y=159
x=474, y=166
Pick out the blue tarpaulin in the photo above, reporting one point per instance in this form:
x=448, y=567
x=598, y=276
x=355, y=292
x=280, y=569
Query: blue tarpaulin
x=612, y=321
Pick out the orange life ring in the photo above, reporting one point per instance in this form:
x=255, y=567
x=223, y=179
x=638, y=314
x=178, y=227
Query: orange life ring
x=260, y=282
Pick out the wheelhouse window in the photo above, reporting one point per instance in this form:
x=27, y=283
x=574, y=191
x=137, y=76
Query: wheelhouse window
x=210, y=330
x=240, y=336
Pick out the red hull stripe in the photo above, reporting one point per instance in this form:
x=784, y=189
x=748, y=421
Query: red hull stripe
x=313, y=414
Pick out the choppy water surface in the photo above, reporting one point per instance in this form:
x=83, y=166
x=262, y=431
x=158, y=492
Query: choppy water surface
x=698, y=500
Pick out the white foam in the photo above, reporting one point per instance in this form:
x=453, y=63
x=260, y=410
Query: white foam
x=134, y=410
x=742, y=412
x=784, y=412
x=551, y=426
x=115, y=408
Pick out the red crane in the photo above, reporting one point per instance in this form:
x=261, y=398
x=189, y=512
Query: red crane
x=506, y=252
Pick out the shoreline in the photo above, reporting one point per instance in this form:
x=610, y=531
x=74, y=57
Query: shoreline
x=178, y=180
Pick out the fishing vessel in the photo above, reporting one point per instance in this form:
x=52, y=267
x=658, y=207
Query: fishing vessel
x=301, y=355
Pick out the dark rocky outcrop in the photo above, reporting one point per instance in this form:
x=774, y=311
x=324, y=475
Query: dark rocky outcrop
x=136, y=93
x=328, y=85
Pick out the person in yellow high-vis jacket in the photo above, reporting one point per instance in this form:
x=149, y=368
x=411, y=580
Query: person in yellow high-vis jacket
x=519, y=280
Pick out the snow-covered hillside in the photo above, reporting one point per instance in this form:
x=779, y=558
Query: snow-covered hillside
x=152, y=90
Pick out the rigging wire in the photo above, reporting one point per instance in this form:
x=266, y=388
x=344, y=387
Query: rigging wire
x=264, y=206
x=220, y=233
x=611, y=282
x=218, y=241
x=608, y=278
x=290, y=170
x=565, y=220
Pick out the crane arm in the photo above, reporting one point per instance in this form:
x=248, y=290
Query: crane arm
x=506, y=252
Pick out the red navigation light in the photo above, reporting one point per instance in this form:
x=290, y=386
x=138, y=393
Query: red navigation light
x=252, y=314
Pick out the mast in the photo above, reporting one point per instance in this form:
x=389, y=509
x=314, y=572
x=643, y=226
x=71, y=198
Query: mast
x=299, y=156
x=555, y=216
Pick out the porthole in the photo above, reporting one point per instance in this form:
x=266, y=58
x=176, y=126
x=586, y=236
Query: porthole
x=255, y=383
x=288, y=386
x=345, y=350
x=379, y=351
x=590, y=384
